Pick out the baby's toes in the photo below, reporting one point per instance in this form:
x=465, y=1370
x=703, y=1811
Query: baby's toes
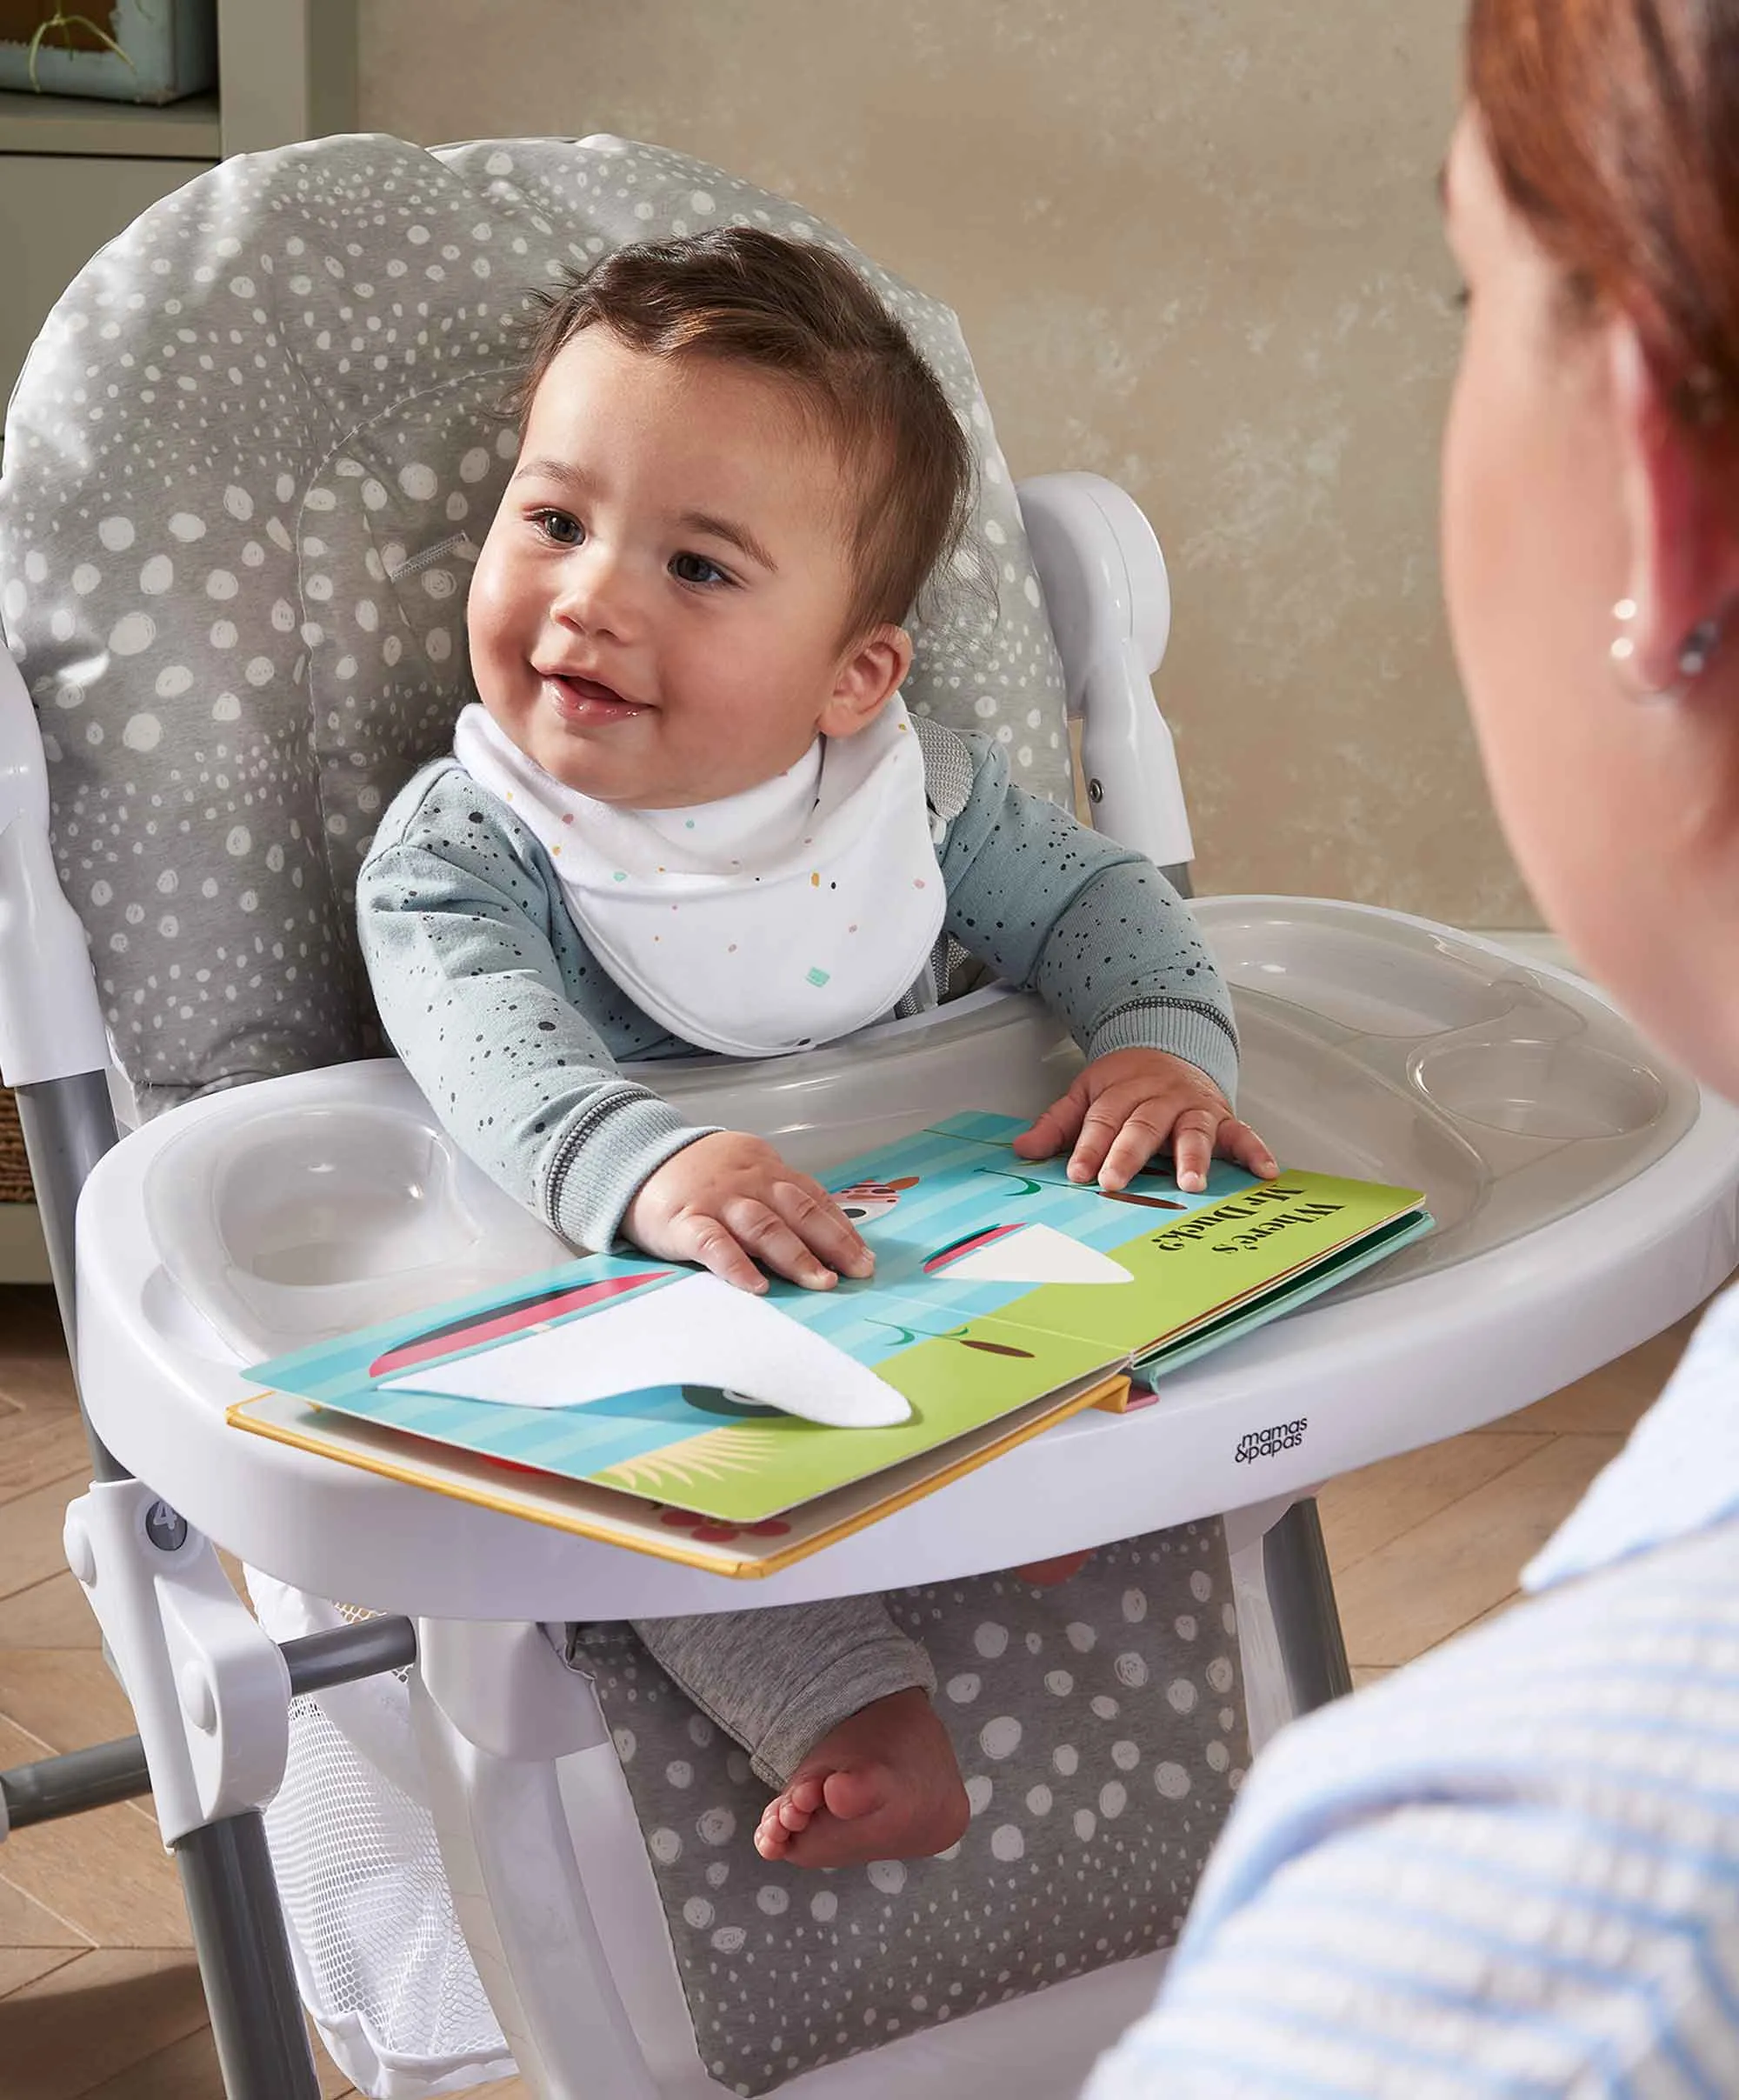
x=807, y=1794
x=772, y=1839
x=780, y=1820
x=859, y=1791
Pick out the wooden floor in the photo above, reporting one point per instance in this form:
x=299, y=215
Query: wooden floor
x=98, y=1992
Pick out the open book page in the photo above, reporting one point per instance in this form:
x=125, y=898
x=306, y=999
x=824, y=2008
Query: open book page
x=964, y=1231
x=723, y=1547
x=997, y=1284
x=1288, y=1294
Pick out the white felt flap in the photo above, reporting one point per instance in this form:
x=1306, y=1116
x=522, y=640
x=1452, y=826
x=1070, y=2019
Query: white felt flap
x=697, y=1332
x=1035, y=1254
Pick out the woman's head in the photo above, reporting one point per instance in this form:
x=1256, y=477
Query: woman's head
x=1591, y=481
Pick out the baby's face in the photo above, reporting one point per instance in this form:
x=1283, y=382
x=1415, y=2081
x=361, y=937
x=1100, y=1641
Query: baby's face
x=656, y=614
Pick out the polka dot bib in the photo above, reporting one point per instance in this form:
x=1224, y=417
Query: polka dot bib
x=774, y=920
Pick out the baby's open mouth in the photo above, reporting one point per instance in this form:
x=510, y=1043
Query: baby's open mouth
x=581, y=699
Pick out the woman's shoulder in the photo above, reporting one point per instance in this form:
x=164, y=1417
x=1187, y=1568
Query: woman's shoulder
x=1678, y=1475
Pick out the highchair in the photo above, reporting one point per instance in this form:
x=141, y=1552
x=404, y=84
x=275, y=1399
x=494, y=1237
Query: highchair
x=247, y=468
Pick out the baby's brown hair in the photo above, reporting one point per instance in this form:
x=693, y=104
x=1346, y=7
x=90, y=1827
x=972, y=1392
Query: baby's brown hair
x=796, y=309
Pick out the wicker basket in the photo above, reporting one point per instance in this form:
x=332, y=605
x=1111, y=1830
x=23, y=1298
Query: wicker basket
x=15, y=1169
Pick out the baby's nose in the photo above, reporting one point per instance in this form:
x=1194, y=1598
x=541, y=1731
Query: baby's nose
x=595, y=593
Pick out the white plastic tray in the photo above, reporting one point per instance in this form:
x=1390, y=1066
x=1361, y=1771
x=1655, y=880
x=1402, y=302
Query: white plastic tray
x=1371, y=1046
x=1586, y=1197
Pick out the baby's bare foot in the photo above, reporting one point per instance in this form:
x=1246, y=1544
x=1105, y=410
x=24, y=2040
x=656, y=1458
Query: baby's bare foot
x=882, y=1785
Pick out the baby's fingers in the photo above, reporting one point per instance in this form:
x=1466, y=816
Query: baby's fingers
x=1056, y=1128
x=1237, y=1141
x=1192, y=1148
x=1142, y=1132
x=710, y=1242
x=822, y=1225
x=1131, y=1106
x=1097, y=1134
x=775, y=1245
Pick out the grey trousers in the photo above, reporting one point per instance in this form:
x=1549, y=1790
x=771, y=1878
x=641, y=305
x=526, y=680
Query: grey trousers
x=779, y=1679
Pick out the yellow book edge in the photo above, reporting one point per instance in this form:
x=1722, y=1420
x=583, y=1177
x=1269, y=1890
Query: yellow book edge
x=586, y=1511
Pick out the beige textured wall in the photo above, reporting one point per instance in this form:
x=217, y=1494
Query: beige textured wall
x=1194, y=246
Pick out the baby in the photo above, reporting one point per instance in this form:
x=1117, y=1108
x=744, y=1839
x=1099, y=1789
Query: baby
x=691, y=812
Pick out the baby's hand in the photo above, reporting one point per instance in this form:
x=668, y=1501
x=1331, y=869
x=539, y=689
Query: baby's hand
x=729, y=1200
x=1123, y=1107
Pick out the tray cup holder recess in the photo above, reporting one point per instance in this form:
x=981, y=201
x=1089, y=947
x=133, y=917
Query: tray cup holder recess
x=1566, y=1090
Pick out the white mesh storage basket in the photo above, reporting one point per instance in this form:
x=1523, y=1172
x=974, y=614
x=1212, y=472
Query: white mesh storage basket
x=380, y=1960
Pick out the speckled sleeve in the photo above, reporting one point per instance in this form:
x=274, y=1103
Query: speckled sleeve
x=1095, y=928
x=455, y=918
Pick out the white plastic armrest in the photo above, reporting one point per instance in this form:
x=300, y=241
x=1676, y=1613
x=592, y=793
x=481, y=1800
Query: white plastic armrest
x=50, y=1020
x=1109, y=603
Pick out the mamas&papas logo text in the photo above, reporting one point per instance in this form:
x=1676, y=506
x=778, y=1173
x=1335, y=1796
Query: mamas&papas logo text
x=1266, y=1444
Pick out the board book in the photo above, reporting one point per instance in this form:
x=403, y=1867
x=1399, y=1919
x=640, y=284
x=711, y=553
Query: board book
x=626, y=1398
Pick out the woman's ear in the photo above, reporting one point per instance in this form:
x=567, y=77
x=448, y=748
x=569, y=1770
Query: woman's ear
x=1683, y=548
x=868, y=676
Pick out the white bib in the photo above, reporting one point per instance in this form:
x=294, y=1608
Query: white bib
x=784, y=916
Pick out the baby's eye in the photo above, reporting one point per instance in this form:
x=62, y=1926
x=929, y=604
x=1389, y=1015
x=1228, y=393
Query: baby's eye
x=696, y=569
x=558, y=527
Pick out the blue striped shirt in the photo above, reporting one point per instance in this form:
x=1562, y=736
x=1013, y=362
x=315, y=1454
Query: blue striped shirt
x=1514, y=1867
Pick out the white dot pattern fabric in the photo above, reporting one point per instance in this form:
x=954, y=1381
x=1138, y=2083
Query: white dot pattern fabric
x=1102, y=1736
x=247, y=469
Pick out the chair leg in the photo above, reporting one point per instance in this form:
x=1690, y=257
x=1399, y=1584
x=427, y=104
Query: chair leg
x=239, y=1934
x=1302, y=1596
x=68, y=1125
x=226, y=1876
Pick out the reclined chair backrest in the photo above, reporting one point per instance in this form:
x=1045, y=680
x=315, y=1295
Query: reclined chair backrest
x=247, y=470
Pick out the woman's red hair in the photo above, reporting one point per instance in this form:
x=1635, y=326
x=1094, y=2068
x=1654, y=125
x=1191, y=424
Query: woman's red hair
x=1614, y=129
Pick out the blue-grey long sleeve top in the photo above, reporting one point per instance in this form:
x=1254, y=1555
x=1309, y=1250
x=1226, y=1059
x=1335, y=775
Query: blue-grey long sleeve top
x=516, y=1032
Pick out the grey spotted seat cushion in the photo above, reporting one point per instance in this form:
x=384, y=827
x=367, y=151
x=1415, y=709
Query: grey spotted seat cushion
x=1100, y=1729
x=247, y=471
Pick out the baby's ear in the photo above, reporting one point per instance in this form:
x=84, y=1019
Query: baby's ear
x=868, y=674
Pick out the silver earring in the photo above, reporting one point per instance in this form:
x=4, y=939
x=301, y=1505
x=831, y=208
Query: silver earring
x=1695, y=651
